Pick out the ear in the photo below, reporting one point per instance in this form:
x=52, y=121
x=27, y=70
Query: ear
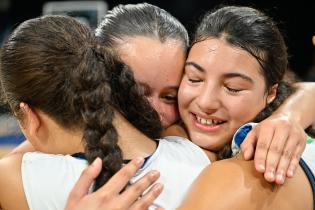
x=272, y=93
x=31, y=120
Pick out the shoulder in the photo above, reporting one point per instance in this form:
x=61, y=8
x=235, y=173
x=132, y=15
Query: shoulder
x=11, y=187
x=10, y=168
x=45, y=166
x=245, y=189
x=233, y=178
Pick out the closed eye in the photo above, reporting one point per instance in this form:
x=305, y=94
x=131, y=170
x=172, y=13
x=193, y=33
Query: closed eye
x=194, y=80
x=233, y=90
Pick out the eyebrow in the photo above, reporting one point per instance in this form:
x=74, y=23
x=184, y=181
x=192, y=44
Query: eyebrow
x=227, y=75
x=199, y=68
x=242, y=76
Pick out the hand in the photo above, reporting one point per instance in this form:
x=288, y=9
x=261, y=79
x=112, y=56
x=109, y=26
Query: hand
x=279, y=145
x=108, y=196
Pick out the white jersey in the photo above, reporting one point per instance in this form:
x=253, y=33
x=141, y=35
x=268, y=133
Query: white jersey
x=48, y=179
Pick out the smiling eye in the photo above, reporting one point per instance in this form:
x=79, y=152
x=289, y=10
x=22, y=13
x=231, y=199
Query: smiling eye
x=194, y=80
x=233, y=90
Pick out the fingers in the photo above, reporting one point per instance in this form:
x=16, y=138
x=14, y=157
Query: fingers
x=122, y=177
x=248, y=145
x=275, y=153
x=294, y=163
x=263, y=143
x=135, y=190
x=147, y=199
x=86, y=179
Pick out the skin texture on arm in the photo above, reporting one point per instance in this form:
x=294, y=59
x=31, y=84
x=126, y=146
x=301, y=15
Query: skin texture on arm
x=11, y=189
x=235, y=184
x=300, y=106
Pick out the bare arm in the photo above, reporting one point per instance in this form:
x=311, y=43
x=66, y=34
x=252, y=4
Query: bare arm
x=235, y=184
x=300, y=106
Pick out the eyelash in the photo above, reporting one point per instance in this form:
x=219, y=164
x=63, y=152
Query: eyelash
x=233, y=90
x=170, y=98
x=194, y=80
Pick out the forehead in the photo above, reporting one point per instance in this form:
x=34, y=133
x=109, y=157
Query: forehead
x=153, y=62
x=216, y=55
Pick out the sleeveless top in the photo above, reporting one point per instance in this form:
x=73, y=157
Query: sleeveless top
x=48, y=179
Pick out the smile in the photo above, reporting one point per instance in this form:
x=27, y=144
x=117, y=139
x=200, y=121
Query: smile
x=210, y=122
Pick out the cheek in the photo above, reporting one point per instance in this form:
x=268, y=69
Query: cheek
x=245, y=109
x=186, y=95
x=169, y=114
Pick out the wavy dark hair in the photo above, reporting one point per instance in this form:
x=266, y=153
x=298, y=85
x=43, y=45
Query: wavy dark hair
x=256, y=33
x=55, y=64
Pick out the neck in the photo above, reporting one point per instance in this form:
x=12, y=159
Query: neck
x=55, y=139
x=58, y=140
x=132, y=142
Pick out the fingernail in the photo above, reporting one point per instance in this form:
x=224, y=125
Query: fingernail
x=290, y=173
x=154, y=174
x=139, y=161
x=270, y=175
x=261, y=167
x=94, y=163
x=280, y=178
x=245, y=152
x=158, y=187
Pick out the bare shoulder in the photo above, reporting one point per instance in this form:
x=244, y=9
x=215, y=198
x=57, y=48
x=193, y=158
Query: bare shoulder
x=235, y=184
x=11, y=187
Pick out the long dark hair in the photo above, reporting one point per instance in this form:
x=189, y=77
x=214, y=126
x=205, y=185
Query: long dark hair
x=256, y=33
x=55, y=64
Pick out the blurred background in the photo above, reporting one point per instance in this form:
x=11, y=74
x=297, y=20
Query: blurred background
x=296, y=20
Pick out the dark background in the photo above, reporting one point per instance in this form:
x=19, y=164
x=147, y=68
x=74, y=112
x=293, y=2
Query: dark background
x=296, y=20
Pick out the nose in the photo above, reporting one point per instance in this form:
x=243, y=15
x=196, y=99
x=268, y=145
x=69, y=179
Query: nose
x=208, y=100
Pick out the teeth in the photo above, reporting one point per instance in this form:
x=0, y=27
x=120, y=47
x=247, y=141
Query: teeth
x=207, y=121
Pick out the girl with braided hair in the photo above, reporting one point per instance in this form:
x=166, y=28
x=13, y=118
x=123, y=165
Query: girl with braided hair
x=68, y=93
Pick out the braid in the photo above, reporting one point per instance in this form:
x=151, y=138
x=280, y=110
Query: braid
x=104, y=86
x=92, y=99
